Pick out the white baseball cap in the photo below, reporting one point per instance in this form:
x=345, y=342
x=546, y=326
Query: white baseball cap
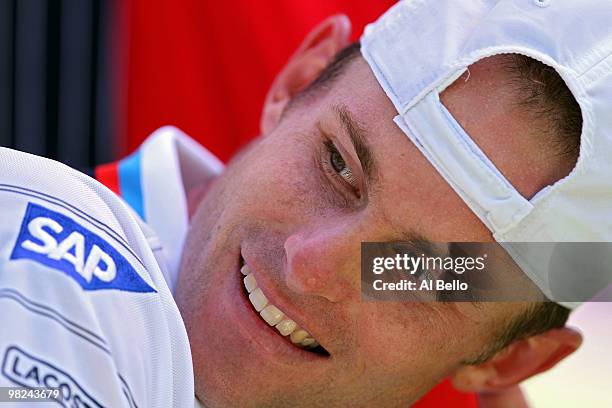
x=419, y=47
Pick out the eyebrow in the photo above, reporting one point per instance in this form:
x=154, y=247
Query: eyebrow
x=421, y=243
x=357, y=136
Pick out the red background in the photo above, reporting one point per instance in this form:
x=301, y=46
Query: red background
x=205, y=66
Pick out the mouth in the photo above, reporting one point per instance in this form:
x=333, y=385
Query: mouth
x=275, y=318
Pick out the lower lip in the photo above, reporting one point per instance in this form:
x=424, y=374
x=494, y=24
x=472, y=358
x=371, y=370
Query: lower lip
x=254, y=329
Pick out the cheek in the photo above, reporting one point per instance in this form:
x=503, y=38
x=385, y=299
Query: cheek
x=277, y=181
x=414, y=338
x=403, y=346
x=387, y=333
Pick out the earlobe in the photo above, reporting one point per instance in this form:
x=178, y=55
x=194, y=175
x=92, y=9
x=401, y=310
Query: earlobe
x=316, y=51
x=519, y=361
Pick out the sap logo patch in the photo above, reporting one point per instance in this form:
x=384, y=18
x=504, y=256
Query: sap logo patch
x=55, y=240
x=26, y=370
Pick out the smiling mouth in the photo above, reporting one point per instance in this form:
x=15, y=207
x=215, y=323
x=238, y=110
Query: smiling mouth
x=276, y=318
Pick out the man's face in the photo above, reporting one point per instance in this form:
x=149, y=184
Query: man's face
x=287, y=208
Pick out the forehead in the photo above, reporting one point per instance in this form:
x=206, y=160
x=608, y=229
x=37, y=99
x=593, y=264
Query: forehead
x=410, y=195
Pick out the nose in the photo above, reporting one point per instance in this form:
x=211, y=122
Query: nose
x=324, y=261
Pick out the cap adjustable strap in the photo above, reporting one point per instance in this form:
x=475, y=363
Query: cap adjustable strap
x=432, y=128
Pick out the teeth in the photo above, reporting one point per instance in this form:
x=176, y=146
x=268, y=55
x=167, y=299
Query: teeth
x=308, y=341
x=299, y=335
x=245, y=270
x=286, y=327
x=273, y=315
x=250, y=283
x=258, y=299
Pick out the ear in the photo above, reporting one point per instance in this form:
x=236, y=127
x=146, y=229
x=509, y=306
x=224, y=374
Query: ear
x=313, y=55
x=519, y=361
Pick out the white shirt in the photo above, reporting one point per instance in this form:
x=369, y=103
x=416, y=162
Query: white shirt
x=86, y=286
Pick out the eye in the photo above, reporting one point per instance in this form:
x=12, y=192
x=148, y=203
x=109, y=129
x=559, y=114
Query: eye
x=339, y=165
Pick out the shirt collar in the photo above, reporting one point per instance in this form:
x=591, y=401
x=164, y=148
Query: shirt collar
x=171, y=165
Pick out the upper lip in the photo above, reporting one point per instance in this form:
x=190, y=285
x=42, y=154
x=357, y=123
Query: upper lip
x=281, y=301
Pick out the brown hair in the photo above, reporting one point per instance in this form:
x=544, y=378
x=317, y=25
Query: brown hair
x=548, y=100
x=539, y=317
